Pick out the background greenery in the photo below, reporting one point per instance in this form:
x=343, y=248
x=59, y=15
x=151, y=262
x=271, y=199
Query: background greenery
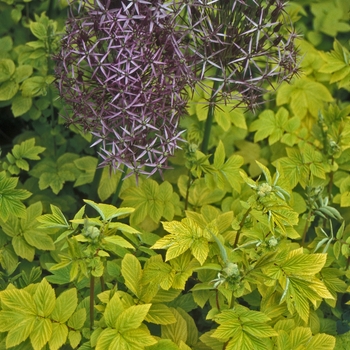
x=245, y=248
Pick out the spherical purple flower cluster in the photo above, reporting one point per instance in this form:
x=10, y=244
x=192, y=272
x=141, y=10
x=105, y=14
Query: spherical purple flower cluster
x=241, y=46
x=124, y=66
x=121, y=72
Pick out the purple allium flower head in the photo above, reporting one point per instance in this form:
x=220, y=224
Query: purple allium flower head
x=240, y=45
x=122, y=71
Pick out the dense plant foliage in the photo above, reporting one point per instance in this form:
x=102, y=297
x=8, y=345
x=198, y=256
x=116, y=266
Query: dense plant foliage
x=244, y=243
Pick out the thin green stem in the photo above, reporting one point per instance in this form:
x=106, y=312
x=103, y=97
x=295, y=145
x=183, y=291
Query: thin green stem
x=119, y=186
x=306, y=228
x=210, y=116
x=240, y=227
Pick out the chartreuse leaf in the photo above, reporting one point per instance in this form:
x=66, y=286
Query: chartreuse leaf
x=18, y=300
x=164, y=344
x=7, y=68
x=26, y=235
x=109, y=212
x=132, y=273
x=8, y=89
x=41, y=333
x=59, y=336
x=54, y=220
x=270, y=125
x=302, y=338
x=114, y=308
x=160, y=314
x=184, y=235
x=87, y=166
x=74, y=338
x=152, y=200
x=304, y=96
x=21, y=332
x=242, y=328
x=124, y=326
x=131, y=318
x=10, y=197
x=44, y=298
x=302, y=164
x=21, y=105
x=177, y=331
x=18, y=312
x=54, y=173
x=108, y=183
x=77, y=320
x=337, y=63
x=65, y=305
x=158, y=272
x=225, y=172
x=28, y=150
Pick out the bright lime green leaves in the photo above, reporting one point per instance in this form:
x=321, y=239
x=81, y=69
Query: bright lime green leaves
x=152, y=201
x=11, y=198
x=304, y=96
x=275, y=127
x=37, y=314
x=26, y=237
x=17, y=160
x=241, y=328
x=337, y=63
x=124, y=328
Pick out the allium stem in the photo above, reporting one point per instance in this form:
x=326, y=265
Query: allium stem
x=210, y=117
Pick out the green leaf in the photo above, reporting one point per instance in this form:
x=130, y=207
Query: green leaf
x=108, y=336
x=66, y=303
x=304, y=264
x=119, y=241
x=54, y=220
x=304, y=95
x=74, y=338
x=132, y=317
x=6, y=43
x=44, y=298
x=108, y=184
x=177, y=331
x=18, y=300
x=34, y=86
x=88, y=167
x=10, y=320
x=219, y=155
x=77, y=320
x=23, y=72
x=22, y=248
x=7, y=68
x=136, y=339
x=123, y=227
x=107, y=211
x=160, y=314
x=165, y=344
x=21, y=332
x=28, y=150
x=41, y=333
x=113, y=309
x=39, y=240
x=132, y=273
x=59, y=336
x=270, y=125
x=200, y=249
x=8, y=89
